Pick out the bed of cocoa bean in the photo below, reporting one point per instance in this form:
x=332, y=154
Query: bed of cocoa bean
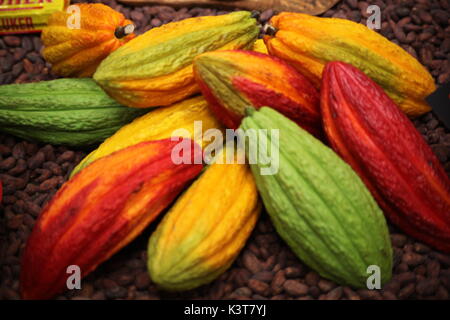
x=266, y=268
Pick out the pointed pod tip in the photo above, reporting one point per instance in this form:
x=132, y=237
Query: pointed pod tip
x=249, y=111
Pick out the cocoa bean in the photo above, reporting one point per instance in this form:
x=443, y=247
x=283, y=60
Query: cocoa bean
x=350, y=294
x=293, y=272
x=36, y=161
x=258, y=287
x=334, y=294
x=405, y=278
x=49, y=184
x=142, y=281
x=413, y=259
x=295, y=288
x=427, y=287
x=241, y=292
x=7, y=163
x=19, y=168
x=369, y=294
x=264, y=276
x=326, y=285
x=433, y=269
x=312, y=278
x=277, y=282
x=251, y=262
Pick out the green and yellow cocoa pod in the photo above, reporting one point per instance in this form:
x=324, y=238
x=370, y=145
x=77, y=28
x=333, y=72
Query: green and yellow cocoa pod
x=309, y=42
x=155, y=68
x=190, y=118
x=205, y=230
x=319, y=205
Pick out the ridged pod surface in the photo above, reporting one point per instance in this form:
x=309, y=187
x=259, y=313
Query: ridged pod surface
x=319, y=205
x=382, y=145
x=309, y=42
x=77, y=51
x=99, y=211
x=201, y=236
x=234, y=80
x=160, y=124
x=74, y=112
x=155, y=68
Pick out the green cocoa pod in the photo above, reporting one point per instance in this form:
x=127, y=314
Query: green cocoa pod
x=319, y=206
x=72, y=112
x=155, y=68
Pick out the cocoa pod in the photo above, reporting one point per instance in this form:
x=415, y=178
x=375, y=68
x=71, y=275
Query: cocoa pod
x=200, y=237
x=233, y=80
x=99, y=211
x=156, y=68
x=308, y=43
x=382, y=145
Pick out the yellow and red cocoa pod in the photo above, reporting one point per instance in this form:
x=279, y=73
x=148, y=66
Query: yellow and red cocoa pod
x=155, y=68
x=309, y=42
x=99, y=211
x=233, y=80
x=201, y=235
x=382, y=145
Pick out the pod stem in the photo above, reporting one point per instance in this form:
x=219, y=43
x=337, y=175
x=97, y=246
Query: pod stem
x=123, y=31
x=270, y=29
x=256, y=14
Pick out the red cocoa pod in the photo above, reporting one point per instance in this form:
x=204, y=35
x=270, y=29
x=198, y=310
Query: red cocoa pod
x=100, y=210
x=235, y=79
x=370, y=132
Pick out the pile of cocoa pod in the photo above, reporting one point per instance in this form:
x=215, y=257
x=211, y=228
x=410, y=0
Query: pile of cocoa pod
x=339, y=95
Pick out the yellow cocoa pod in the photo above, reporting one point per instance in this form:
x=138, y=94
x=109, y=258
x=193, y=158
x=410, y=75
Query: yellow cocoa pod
x=155, y=68
x=260, y=46
x=204, y=231
x=309, y=42
x=159, y=124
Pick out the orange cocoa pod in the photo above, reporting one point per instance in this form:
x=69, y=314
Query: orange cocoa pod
x=100, y=210
x=76, y=51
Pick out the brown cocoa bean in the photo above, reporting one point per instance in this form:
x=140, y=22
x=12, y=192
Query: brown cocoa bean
x=264, y=276
x=326, y=285
x=277, y=282
x=334, y=294
x=7, y=163
x=36, y=161
x=293, y=272
x=413, y=259
x=427, y=287
x=258, y=287
x=251, y=262
x=295, y=288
